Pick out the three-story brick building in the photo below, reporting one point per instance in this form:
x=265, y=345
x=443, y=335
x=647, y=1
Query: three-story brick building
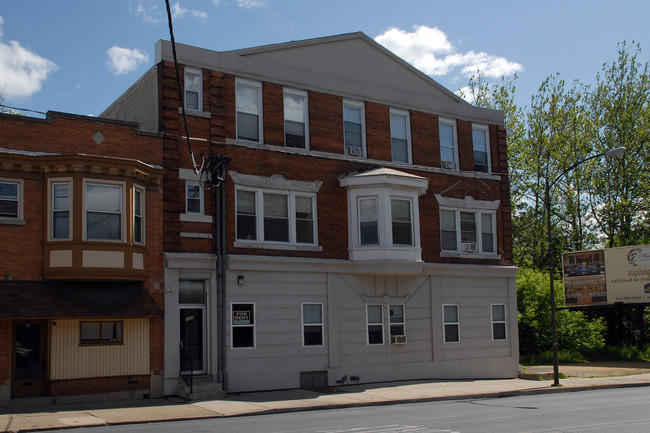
x=357, y=227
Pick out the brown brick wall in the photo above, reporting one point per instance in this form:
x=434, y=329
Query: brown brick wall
x=5, y=351
x=326, y=135
x=378, y=131
x=326, y=122
x=99, y=385
x=273, y=111
x=425, y=139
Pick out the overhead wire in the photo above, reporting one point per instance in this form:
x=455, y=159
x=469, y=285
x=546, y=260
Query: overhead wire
x=198, y=171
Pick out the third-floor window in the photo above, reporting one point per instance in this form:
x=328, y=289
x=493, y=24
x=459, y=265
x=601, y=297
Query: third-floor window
x=296, y=125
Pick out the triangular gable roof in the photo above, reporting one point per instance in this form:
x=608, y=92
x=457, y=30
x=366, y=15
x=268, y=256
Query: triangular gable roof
x=351, y=65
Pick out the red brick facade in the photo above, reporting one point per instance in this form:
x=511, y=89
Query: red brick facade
x=62, y=146
x=326, y=136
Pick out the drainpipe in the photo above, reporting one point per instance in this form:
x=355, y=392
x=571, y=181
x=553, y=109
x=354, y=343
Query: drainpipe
x=217, y=168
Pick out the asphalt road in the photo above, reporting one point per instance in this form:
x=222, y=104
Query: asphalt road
x=613, y=410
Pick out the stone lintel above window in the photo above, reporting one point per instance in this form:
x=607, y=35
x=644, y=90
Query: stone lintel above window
x=276, y=181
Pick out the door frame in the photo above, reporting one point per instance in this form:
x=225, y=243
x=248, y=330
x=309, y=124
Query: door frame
x=32, y=386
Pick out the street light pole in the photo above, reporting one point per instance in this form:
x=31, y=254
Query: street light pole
x=547, y=198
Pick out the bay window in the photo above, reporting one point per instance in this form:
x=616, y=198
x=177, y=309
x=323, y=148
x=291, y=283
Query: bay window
x=60, y=210
x=104, y=209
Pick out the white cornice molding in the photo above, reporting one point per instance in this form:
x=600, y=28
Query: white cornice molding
x=467, y=203
x=277, y=181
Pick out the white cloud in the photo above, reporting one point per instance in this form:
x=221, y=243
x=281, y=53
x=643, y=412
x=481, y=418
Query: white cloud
x=148, y=9
x=429, y=50
x=124, y=60
x=179, y=11
x=22, y=72
x=250, y=4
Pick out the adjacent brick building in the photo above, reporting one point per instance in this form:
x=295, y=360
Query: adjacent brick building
x=81, y=267
x=353, y=222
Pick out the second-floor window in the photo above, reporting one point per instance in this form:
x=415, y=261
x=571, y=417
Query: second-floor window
x=481, y=144
x=103, y=211
x=467, y=231
x=193, y=89
x=193, y=198
x=60, y=210
x=276, y=216
x=296, y=126
x=248, y=95
x=138, y=215
x=9, y=199
x=448, y=144
x=400, y=136
x=354, y=128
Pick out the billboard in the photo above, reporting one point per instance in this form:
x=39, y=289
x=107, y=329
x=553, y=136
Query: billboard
x=608, y=276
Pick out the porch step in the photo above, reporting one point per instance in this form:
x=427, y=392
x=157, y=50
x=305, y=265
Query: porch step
x=203, y=387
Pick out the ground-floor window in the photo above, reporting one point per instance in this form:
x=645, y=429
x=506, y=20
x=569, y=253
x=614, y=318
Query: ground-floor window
x=101, y=332
x=498, y=322
x=243, y=325
x=375, y=323
x=312, y=324
x=451, y=323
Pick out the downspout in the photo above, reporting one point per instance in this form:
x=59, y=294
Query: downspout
x=218, y=165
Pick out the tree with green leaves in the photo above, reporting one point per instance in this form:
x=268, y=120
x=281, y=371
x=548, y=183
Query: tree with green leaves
x=620, y=111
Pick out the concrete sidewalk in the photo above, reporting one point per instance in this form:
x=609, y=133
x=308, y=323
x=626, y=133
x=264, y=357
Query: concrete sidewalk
x=29, y=416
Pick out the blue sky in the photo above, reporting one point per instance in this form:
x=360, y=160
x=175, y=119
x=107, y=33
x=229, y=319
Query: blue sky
x=78, y=56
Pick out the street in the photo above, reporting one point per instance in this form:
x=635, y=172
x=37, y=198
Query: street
x=621, y=410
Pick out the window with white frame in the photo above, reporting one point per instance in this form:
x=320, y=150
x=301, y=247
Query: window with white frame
x=193, y=89
x=138, y=215
x=194, y=207
x=243, y=325
x=400, y=136
x=60, y=217
x=368, y=221
x=383, y=218
x=402, y=221
x=499, y=322
x=10, y=199
x=193, y=198
x=296, y=125
x=451, y=323
x=276, y=216
x=396, y=319
x=481, y=144
x=467, y=231
x=312, y=324
x=375, y=323
x=248, y=96
x=104, y=210
x=354, y=128
x=448, y=143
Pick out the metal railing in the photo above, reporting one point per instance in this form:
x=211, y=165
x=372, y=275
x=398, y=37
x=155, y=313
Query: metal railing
x=187, y=378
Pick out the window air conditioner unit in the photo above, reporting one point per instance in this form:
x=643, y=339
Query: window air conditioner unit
x=353, y=150
x=398, y=339
x=449, y=164
x=469, y=247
